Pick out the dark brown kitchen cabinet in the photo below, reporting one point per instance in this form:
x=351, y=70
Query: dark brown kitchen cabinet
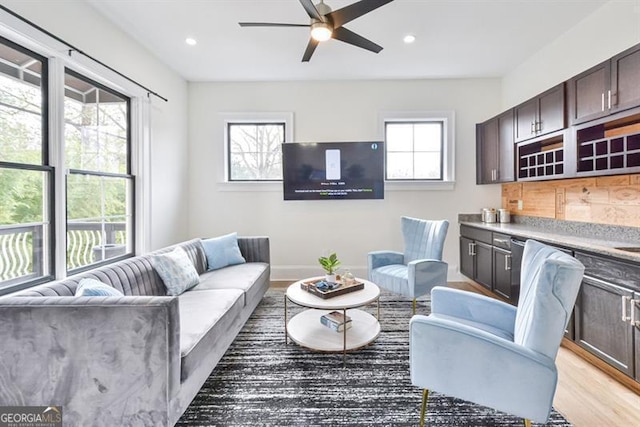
x=605, y=89
x=599, y=326
x=635, y=322
x=502, y=272
x=475, y=255
x=540, y=115
x=495, y=150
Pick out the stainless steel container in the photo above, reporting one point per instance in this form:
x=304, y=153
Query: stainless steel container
x=504, y=215
x=489, y=215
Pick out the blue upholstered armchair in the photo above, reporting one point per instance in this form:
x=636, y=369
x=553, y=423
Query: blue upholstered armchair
x=491, y=353
x=416, y=271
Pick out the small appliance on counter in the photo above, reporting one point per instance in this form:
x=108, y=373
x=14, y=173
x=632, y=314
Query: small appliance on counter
x=504, y=216
x=489, y=215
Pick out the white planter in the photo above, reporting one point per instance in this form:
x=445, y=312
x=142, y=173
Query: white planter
x=331, y=278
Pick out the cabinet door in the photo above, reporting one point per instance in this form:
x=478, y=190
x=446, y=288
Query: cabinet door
x=625, y=80
x=502, y=272
x=526, y=115
x=466, y=257
x=484, y=264
x=487, y=152
x=506, y=158
x=551, y=116
x=587, y=94
x=599, y=327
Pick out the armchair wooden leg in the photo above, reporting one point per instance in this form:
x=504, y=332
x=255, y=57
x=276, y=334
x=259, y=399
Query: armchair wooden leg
x=425, y=397
x=527, y=423
x=414, y=306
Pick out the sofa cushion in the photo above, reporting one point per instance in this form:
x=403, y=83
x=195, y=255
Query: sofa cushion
x=95, y=288
x=245, y=277
x=222, y=251
x=204, y=317
x=176, y=270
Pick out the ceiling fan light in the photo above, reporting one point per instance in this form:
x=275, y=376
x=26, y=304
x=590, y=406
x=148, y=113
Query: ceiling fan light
x=321, y=31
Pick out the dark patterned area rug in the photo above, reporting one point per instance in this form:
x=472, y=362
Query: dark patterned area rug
x=263, y=382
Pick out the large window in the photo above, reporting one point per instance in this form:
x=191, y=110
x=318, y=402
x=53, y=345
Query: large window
x=99, y=183
x=25, y=175
x=419, y=146
x=255, y=152
x=67, y=179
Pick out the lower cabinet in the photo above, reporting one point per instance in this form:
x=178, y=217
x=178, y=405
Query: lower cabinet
x=502, y=272
x=599, y=326
x=635, y=318
x=475, y=260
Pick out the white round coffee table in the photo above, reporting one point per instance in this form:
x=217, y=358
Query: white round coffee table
x=306, y=330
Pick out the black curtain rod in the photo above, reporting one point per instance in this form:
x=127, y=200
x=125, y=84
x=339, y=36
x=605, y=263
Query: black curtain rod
x=72, y=48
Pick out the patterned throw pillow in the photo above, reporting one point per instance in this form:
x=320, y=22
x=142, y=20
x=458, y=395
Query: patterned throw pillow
x=176, y=271
x=95, y=288
x=222, y=251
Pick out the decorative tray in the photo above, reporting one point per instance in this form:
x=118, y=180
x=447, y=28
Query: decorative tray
x=317, y=287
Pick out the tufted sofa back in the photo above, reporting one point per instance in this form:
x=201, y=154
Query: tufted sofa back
x=131, y=276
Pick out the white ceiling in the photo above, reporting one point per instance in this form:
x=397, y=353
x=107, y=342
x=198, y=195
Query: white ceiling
x=455, y=38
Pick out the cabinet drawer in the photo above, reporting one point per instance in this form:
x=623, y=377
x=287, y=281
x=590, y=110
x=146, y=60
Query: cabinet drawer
x=617, y=272
x=502, y=241
x=478, y=234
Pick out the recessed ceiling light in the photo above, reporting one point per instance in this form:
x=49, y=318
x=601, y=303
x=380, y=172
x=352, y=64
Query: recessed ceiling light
x=191, y=41
x=409, y=38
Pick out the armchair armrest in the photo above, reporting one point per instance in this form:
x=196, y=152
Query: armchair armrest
x=427, y=273
x=378, y=259
x=474, y=365
x=473, y=307
x=255, y=249
x=113, y=359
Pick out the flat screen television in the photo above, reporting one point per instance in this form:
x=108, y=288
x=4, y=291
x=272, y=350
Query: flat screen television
x=333, y=170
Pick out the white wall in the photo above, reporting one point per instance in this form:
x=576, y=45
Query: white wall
x=79, y=24
x=331, y=111
x=608, y=31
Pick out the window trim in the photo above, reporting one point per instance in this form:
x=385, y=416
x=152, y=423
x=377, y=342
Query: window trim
x=448, y=148
x=227, y=142
x=251, y=118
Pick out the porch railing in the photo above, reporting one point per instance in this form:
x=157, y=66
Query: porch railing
x=21, y=247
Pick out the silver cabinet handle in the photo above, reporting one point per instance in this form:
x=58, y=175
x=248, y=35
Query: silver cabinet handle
x=602, y=101
x=634, y=322
x=625, y=299
x=507, y=262
x=472, y=247
x=533, y=127
x=609, y=96
x=539, y=126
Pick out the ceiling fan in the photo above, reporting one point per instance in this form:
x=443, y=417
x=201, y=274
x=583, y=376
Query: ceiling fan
x=327, y=24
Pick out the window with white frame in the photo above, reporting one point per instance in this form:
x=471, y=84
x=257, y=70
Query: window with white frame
x=253, y=146
x=419, y=146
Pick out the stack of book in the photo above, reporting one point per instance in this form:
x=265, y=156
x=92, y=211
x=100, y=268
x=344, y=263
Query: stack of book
x=335, y=320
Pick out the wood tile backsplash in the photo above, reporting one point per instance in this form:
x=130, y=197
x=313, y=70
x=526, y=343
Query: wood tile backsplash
x=603, y=200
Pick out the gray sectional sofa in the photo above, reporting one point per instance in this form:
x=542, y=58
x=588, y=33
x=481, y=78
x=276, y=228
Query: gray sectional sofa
x=136, y=360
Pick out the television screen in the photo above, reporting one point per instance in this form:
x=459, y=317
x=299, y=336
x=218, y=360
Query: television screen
x=333, y=170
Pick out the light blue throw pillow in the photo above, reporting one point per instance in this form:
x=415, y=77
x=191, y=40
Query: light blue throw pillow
x=176, y=271
x=95, y=288
x=222, y=251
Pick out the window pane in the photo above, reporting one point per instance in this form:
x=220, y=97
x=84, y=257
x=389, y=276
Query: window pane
x=427, y=166
x=428, y=136
x=20, y=107
x=99, y=219
x=400, y=166
x=96, y=128
x=255, y=151
x=399, y=137
x=24, y=224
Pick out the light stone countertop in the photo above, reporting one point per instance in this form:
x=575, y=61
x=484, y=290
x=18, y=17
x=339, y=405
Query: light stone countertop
x=594, y=238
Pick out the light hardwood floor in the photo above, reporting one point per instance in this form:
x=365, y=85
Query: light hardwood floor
x=586, y=395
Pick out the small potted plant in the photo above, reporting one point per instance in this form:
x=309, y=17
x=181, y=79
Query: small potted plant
x=330, y=264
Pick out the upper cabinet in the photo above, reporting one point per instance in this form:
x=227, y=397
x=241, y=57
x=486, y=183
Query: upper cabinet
x=495, y=150
x=540, y=115
x=607, y=88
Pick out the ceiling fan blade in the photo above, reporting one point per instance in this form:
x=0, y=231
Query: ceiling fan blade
x=350, y=37
x=311, y=9
x=270, y=24
x=349, y=13
x=311, y=47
